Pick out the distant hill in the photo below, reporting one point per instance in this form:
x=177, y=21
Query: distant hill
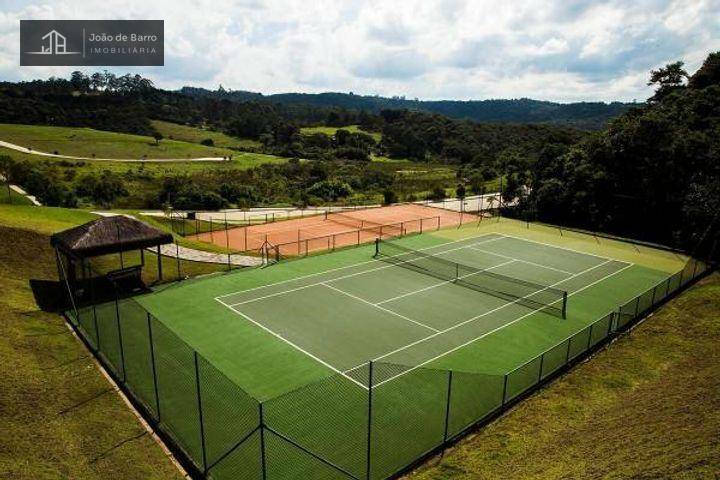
x=584, y=115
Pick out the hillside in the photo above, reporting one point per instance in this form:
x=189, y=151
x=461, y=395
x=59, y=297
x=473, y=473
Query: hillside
x=60, y=418
x=583, y=115
x=644, y=407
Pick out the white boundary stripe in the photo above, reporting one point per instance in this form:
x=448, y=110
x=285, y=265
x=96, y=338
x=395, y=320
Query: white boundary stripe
x=342, y=277
x=360, y=263
x=504, y=325
x=293, y=345
x=522, y=261
x=563, y=248
x=417, y=342
x=441, y=283
x=380, y=307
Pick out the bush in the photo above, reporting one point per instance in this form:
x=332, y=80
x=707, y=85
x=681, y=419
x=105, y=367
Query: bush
x=437, y=194
x=208, y=142
x=330, y=190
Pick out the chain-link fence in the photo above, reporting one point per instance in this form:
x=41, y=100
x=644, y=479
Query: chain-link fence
x=334, y=428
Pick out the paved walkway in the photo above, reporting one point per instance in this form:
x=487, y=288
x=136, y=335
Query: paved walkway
x=191, y=254
x=31, y=151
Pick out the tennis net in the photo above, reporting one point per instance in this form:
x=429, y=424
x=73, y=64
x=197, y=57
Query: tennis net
x=515, y=290
x=348, y=220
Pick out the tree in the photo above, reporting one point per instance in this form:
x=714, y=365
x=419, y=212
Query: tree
x=157, y=136
x=6, y=167
x=460, y=191
x=389, y=197
x=667, y=80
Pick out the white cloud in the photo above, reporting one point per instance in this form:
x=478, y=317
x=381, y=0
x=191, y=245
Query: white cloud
x=466, y=49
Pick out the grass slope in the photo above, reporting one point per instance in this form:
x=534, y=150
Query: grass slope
x=331, y=131
x=184, y=133
x=58, y=415
x=645, y=407
x=86, y=142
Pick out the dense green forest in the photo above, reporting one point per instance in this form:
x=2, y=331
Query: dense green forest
x=653, y=174
x=583, y=115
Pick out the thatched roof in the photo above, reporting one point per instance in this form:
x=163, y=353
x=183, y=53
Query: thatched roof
x=109, y=235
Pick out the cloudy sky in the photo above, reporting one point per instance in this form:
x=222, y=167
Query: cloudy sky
x=431, y=49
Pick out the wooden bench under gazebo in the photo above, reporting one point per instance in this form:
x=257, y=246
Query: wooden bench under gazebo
x=107, y=236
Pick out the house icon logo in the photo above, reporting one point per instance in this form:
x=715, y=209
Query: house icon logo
x=54, y=43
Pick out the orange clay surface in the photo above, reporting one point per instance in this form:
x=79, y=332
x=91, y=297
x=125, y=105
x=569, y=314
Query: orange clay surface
x=301, y=236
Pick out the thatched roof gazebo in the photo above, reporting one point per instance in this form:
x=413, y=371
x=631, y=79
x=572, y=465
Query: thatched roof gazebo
x=106, y=236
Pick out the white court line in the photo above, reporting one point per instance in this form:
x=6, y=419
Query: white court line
x=441, y=283
x=485, y=314
x=380, y=307
x=503, y=326
x=522, y=261
x=360, y=263
x=342, y=277
x=563, y=248
x=293, y=345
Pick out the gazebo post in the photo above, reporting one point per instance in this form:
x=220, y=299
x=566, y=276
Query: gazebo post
x=159, y=263
x=142, y=257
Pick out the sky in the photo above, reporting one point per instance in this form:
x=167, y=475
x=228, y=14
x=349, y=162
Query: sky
x=564, y=51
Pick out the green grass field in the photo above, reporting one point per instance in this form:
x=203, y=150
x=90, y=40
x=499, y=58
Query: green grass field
x=84, y=142
x=331, y=131
x=184, y=133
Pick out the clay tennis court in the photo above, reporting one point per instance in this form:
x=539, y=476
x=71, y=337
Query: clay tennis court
x=301, y=236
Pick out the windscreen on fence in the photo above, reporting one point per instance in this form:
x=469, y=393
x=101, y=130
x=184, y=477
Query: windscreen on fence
x=515, y=290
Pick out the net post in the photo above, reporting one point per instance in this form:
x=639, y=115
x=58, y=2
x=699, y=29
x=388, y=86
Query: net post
x=262, y=440
x=152, y=363
x=447, y=412
x=200, y=413
x=564, y=305
x=369, y=424
x=377, y=247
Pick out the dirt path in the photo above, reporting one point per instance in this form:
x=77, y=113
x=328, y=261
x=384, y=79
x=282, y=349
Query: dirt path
x=31, y=151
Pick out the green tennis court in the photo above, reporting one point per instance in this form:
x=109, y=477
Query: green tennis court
x=354, y=364
x=276, y=329
x=380, y=311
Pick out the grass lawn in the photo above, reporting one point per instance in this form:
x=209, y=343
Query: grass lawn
x=331, y=131
x=86, y=142
x=184, y=133
x=644, y=407
x=59, y=416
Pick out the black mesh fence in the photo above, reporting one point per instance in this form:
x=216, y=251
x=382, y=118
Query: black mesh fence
x=370, y=424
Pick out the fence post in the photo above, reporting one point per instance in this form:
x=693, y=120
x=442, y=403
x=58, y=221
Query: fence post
x=177, y=257
x=637, y=306
x=447, y=411
x=567, y=355
x=120, y=341
x=652, y=302
x=262, y=441
x=542, y=361
x=505, y=383
x=152, y=362
x=200, y=412
x=590, y=337
x=95, y=321
x=369, y=424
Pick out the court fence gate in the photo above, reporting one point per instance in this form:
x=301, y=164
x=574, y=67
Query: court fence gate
x=336, y=427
